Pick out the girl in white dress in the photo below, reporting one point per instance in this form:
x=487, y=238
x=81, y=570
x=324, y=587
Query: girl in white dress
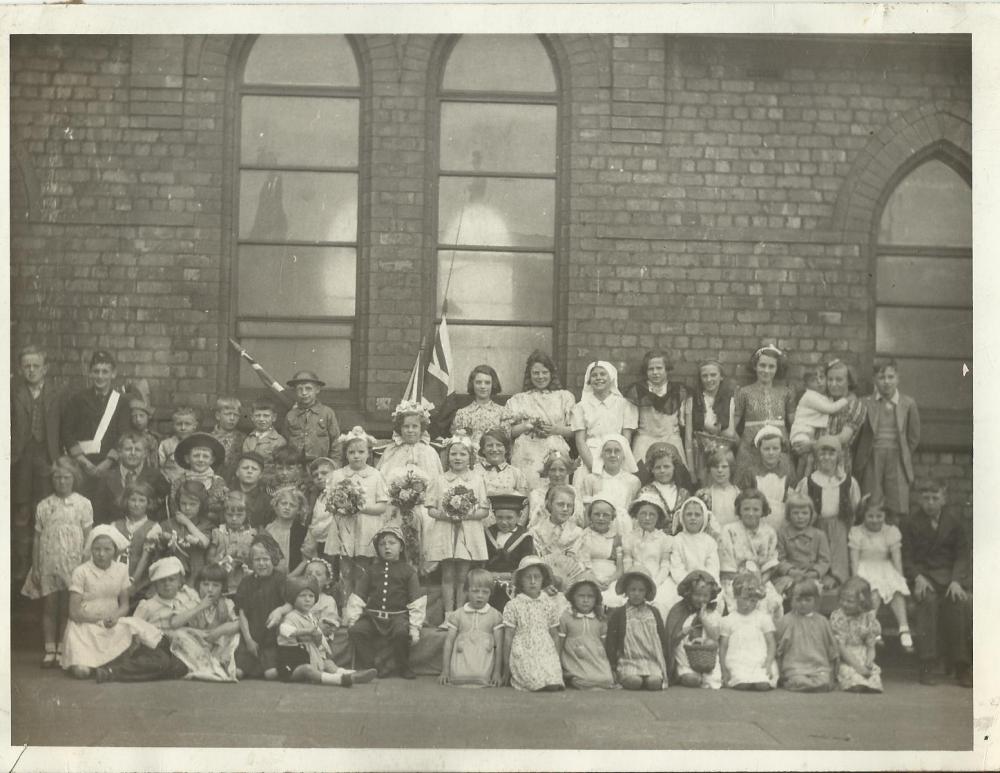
x=876, y=555
x=648, y=548
x=540, y=417
x=746, y=640
x=601, y=550
x=694, y=548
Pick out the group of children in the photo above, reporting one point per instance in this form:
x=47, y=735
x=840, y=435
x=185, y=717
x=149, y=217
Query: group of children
x=220, y=556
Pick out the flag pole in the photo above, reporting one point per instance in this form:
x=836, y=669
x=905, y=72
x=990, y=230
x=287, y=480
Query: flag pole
x=420, y=369
x=269, y=381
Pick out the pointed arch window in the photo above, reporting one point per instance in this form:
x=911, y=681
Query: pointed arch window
x=297, y=213
x=497, y=214
x=923, y=266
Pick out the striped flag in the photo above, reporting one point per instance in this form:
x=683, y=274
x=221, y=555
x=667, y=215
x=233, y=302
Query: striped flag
x=439, y=367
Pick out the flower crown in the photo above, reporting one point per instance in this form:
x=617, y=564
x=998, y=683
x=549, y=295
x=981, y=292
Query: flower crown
x=413, y=408
x=356, y=433
x=461, y=438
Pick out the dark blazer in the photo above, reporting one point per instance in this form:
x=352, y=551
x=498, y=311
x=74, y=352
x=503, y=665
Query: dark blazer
x=908, y=421
x=942, y=555
x=81, y=415
x=614, y=643
x=107, y=497
x=20, y=419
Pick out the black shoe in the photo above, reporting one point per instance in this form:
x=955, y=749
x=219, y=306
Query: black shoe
x=927, y=676
x=363, y=677
x=346, y=681
x=104, y=674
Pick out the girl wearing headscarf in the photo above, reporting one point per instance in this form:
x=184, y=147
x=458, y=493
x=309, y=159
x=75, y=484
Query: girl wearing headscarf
x=539, y=417
x=695, y=617
x=614, y=475
x=601, y=411
x=694, y=546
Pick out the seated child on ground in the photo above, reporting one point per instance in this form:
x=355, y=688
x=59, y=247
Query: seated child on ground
x=530, y=657
x=473, y=649
x=857, y=631
x=694, y=620
x=582, y=636
x=746, y=639
x=259, y=594
x=205, y=636
x=807, y=649
x=636, y=641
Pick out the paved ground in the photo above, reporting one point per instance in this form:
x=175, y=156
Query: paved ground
x=52, y=709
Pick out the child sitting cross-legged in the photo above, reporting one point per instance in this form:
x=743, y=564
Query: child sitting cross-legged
x=387, y=608
x=582, y=635
x=807, y=649
x=695, y=622
x=303, y=651
x=473, y=649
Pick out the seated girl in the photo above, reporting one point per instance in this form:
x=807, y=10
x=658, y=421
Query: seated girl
x=602, y=552
x=695, y=619
x=693, y=548
x=259, y=594
x=557, y=539
x=473, y=648
x=506, y=544
x=665, y=468
x=750, y=545
x=582, y=636
x=613, y=477
x=806, y=647
x=557, y=470
x=648, y=548
x=636, y=641
x=746, y=639
x=205, y=636
x=803, y=550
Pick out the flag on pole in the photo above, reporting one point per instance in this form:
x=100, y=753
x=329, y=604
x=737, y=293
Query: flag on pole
x=412, y=391
x=439, y=367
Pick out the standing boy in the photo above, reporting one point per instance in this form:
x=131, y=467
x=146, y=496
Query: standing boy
x=887, y=441
x=227, y=416
x=311, y=426
x=34, y=446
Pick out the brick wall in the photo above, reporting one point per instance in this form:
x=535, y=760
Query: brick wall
x=715, y=191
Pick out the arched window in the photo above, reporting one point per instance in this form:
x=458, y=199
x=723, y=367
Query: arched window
x=923, y=265
x=296, y=264
x=497, y=202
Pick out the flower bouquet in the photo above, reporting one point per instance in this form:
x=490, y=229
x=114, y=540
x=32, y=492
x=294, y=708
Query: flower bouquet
x=408, y=492
x=535, y=423
x=459, y=502
x=345, y=498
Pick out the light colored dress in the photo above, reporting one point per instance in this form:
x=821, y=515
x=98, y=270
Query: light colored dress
x=473, y=654
x=59, y=526
x=693, y=551
x=584, y=659
x=537, y=511
x=207, y=661
x=158, y=611
x=91, y=644
x=651, y=551
x=534, y=661
x=447, y=540
x=774, y=487
x=477, y=419
x=874, y=561
x=857, y=635
x=713, y=680
x=596, y=554
x=642, y=653
x=397, y=461
x=352, y=535
x=619, y=489
x=721, y=500
x=598, y=418
x=559, y=546
x=737, y=546
x=746, y=651
x=528, y=453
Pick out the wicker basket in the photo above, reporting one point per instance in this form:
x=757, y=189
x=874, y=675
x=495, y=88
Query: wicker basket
x=702, y=655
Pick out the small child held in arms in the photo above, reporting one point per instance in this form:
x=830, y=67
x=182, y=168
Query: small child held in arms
x=357, y=499
x=506, y=544
x=230, y=542
x=205, y=636
x=140, y=412
x=857, y=631
x=813, y=411
x=303, y=651
x=311, y=427
x=582, y=636
x=806, y=646
x=694, y=621
x=264, y=439
x=876, y=550
x=62, y=522
x=636, y=642
x=387, y=608
x=531, y=619
x=746, y=639
x=185, y=422
x=227, y=416
x=199, y=455
x=887, y=442
x=473, y=648
x=803, y=550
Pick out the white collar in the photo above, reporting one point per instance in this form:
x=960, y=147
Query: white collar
x=659, y=391
x=469, y=608
x=894, y=399
x=589, y=615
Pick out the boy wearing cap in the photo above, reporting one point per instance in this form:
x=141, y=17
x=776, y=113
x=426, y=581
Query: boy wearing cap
x=34, y=446
x=140, y=413
x=227, y=416
x=198, y=456
x=507, y=543
x=388, y=606
x=309, y=425
x=94, y=418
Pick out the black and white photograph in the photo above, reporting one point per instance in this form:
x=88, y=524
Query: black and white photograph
x=494, y=386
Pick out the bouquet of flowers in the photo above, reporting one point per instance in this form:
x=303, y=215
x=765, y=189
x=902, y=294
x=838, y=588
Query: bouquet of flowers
x=168, y=543
x=408, y=492
x=459, y=502
x=345, y=498
x=535, y=422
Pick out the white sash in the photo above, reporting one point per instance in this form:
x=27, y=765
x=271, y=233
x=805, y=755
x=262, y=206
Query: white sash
x=94, y=446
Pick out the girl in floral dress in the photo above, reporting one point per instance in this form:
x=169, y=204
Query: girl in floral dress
x=482, y=413
x=531, y=619
x=761, y=403
x=411, y=454
x=539, y=417
x=857, y=631
x=62, y=522
x=453, y=539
